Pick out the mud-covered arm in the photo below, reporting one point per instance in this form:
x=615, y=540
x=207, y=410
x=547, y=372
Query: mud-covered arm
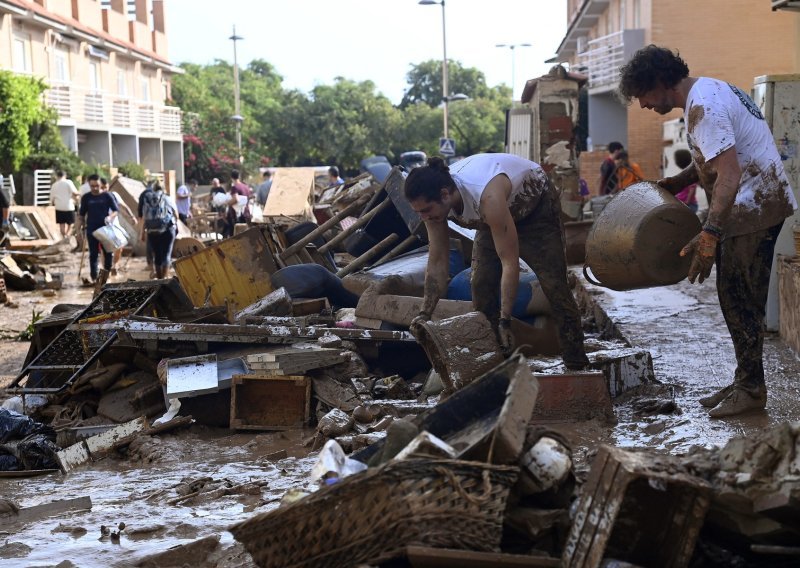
x=436, y=271
x=729, y=174
x=680, y=180
x=496, y=214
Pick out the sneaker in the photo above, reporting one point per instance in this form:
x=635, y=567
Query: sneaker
x=740, y=401
x=716, y=398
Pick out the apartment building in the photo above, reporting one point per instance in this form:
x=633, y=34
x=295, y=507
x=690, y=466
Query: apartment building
x=106, y=66
x=732, y=40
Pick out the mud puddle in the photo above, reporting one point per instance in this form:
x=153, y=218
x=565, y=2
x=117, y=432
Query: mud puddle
x=151, y=498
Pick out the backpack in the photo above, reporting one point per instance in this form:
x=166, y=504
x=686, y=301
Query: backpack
x=156, y=212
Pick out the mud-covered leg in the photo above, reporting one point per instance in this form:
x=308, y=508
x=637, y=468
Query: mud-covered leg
x=744, y=264
x=541, y=245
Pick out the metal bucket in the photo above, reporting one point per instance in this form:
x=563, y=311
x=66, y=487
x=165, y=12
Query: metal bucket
x=636, y=241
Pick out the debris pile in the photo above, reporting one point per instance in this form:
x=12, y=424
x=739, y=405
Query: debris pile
x=430, y=443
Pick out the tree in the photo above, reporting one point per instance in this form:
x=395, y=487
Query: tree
x=425, y=83
x=21, y=109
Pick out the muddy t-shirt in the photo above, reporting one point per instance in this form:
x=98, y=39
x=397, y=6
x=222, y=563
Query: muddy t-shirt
x=528, y=184
x=719, y=116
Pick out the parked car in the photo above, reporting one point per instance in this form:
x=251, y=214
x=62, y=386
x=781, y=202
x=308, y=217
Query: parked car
x=413, y=159
x=378, y=166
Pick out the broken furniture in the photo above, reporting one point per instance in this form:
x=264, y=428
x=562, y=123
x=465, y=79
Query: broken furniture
x=373, y=515
x=74, y=349
x=270, y=402
x=486, y=420
x=636, y=508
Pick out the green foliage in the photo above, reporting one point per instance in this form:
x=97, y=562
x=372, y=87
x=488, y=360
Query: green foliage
x=27, y=333
x=133, y=170
x=99, y=169
x=67, y=161
x=21, y=108
x=337, y=124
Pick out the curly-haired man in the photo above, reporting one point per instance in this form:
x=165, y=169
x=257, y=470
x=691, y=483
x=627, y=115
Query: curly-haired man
x=735, y=160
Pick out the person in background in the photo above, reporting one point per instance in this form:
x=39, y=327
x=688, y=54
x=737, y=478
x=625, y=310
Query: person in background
x=333, y=177
x=6, y=199
x=183, y=200
x=608, y=179
x=688, y=195
x=215, y=189
x=97, y=209
x=263, y=190
x=159, y=228
x=627, y=172
x=140, y=213
x=64, y=194
x=736, y=161
x=238, y=209
x=517, y=213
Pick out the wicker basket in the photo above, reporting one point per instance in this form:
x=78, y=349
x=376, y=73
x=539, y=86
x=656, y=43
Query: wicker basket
x=372, y=516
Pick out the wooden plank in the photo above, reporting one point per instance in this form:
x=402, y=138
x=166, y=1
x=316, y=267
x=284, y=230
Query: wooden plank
x=789, y=300
x=309, y=306
x=427, y=557
x=36, y=512
x=292, y=194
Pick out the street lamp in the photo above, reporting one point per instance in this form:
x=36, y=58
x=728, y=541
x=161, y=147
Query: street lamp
x=237, y=117
x=445, y=91
x=512, y=47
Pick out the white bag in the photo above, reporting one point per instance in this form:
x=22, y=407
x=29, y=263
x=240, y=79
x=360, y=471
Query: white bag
x=112, y=237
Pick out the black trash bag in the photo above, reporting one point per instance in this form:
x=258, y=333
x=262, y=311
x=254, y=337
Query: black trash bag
x=9, y=462
x=37, y=451
x=15, y=426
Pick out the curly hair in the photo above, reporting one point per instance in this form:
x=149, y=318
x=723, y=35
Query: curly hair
x=650, y=67
x=428, y=181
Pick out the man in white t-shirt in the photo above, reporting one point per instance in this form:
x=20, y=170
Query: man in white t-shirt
x=516, y=211
x=735, y=160
x=64, y=195
x=183, y=200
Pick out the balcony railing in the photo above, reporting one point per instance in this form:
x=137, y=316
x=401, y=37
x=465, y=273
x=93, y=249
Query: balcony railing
x=87, y=107
x=604, y=56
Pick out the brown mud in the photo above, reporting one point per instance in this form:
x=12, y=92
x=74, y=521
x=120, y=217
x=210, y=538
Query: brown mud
x=193, y=484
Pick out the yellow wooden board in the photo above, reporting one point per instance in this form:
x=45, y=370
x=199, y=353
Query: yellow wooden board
x=236, y=270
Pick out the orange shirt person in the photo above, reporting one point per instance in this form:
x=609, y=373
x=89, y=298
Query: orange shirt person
x=627, y=172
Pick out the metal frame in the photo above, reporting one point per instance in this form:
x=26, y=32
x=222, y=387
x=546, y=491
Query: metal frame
x=97, y=307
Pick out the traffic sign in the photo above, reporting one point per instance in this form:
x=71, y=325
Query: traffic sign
x=447, y=146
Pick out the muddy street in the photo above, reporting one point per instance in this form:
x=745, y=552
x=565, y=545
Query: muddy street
x=190, y=484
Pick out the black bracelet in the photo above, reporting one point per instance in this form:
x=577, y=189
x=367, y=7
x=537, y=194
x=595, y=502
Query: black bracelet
x=712, y=230
x=505, y=321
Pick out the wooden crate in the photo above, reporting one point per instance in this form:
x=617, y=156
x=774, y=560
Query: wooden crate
x=636, y=509
x=269, y=402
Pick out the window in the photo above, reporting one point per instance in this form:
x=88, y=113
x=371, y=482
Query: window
x=22, y=56
x=122, y=82
x=94, y=76
x=145, y=83
x=61, y=65
x=637, y=13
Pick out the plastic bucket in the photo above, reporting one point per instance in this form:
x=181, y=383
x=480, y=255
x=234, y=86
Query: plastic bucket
x=636, y=240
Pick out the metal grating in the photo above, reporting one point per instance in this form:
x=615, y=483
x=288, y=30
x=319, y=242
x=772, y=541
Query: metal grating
x=60, y=363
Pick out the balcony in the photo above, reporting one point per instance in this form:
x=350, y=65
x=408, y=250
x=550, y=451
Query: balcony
x=603, y=57
x=97, y=110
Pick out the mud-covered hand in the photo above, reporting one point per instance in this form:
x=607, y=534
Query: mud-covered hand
x=505, y=336
x=703, y=248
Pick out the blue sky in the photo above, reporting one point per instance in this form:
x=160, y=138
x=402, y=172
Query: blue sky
x=311, y=42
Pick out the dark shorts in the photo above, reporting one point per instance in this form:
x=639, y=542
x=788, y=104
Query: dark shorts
x=4, y=204
x=66, y=217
